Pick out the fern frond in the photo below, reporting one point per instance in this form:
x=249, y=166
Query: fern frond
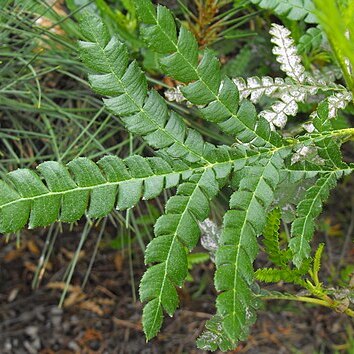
x=329, y=151
x=292, y=9
x=286, y=53
x=308, y=209
x=213, y=337
x=66, y=193
x=286, y=92
x=271, y=239
x=311, y=40
x=143, y=112
x=277, y=114
x=327, y=75
x=337, y=101
x=290, y=91
x=287, y=96
x=238, y=246
x=327, y=110
x=204, y=83
x=238, y=66
x=272, y=275
x=177, y=232
x=308, y=170
x=255, y=87
x=317, y=260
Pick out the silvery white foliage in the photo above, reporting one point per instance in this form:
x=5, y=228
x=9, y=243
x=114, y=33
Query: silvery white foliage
x=297, y=87
x=285, y=91
x=309, y=127
x=276, y=117
x=286, y=53
x=277, y=114
x=288, y=92
x=175, y=94
x=287, y=104
x=210, y=236
x=337, y=101
x=326, y=75
x=307, y=153
x=256, y=87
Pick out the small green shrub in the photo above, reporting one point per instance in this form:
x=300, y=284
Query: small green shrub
x=257, y=166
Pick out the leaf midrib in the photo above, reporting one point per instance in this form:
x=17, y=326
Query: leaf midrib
x=348, y=169
x=130, y=180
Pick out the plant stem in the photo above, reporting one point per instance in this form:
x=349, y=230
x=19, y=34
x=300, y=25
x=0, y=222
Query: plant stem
x=311, y=300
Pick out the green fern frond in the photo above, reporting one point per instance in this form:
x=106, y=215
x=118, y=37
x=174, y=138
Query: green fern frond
x=272, y=275
x=303, y=226
x=238, y=246
x=66, y=193
x=238, y=66
x=177, y=232
x=271, y=240
x=292, y=9
x=143, y=112
x=311, y=40
x=205, y=85
x=258, y=168
x=305, y=170
x=317, y=260
x=329, y=151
